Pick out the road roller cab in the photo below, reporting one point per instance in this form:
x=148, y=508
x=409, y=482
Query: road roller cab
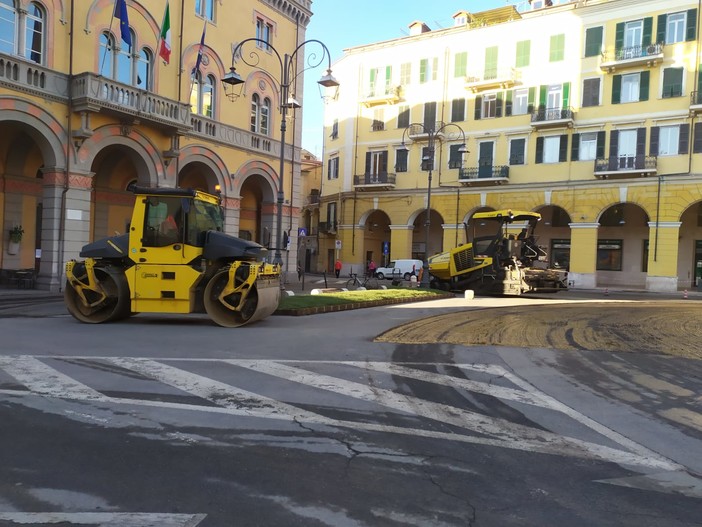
x=175, y=259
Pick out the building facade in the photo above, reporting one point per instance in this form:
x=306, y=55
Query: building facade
x=585, y=111
x=90, y=106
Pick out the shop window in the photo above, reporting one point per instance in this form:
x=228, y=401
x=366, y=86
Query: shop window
x=609, y=255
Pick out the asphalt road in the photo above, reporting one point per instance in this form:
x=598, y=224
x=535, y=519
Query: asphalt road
x=381, y=416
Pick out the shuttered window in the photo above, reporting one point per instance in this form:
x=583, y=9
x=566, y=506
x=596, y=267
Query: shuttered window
x=593, y=41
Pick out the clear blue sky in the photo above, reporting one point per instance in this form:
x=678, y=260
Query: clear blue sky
x=343, y=25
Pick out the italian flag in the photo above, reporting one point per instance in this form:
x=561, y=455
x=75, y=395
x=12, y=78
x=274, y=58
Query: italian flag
x=164, y=50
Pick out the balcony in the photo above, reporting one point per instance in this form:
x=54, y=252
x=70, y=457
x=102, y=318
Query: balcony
x=626, y=166
x=552, y=118
x=418, y=132
x=29, y=77
x=327, y=227
x=632, y=57
x=489, y=80
x=312, y=200
x=696, y=102
x=381, y=181
x=385, y=95
x=484, y=175
x=95, y=93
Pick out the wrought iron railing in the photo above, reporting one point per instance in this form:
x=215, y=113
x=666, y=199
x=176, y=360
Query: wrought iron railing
x=626, y=163
x=484, y=172
x=382, y=178
x=543, y=115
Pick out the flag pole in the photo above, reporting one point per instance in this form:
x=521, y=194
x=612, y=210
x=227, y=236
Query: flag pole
x=109, y=39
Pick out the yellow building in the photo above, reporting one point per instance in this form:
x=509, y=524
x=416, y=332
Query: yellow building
x=89, y=106
x=585, y=111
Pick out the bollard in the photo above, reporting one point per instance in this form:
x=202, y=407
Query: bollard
x=685, y=294
x=413, y=281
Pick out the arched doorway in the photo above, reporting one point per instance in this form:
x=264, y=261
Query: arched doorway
x=257, y=220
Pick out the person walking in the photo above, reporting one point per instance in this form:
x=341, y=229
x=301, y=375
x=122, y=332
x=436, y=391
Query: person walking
x=337, y=267
x=371, y=268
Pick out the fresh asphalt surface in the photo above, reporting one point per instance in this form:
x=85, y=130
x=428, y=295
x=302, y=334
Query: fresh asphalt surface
x=329, y=420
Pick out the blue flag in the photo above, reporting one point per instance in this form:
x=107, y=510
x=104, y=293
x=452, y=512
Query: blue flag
x=121, y=13
x=196, y=69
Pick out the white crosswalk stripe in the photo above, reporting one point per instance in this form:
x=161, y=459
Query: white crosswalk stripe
x=44, y=380
x=103, y=519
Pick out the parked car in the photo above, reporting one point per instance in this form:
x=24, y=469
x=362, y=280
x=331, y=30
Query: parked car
x=400, y=269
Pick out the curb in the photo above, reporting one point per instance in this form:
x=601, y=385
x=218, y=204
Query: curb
x=304, y=311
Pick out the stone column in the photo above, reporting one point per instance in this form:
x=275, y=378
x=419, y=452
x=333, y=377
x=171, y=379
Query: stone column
x=400, y=241
x=663, y=256
x=65, y=224
x=583, y=255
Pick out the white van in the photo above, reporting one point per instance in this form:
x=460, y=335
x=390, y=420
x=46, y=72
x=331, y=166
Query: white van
x=400, y=269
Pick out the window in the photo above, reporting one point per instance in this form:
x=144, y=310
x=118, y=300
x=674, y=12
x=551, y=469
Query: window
x=34, y=33
x=376, y=163
x=554, y=96
x=560, y=251
x=455, y=157
x=591, y=92
x=428, y=70
x=609, y=255
x=144, y=63
x=517, y=147
x=633, y=34
x=403, y=117
x=489, y=105
x=557, y=48
x=460, y=64
x=632, y=87
x=587, y=149
x=331, y=216
x=520, y=101
x=335, y=129
x=372, y=80
x=672, y=82
x=593, y=41
x=551, y=147
x=8, y=26
x=405, y=73
x=458, y=110
x=401, y=157
x=107, y=46
x=118, y=62
x=333, y=168
x=378, y=120
x=124, y=62
x=427, y=158
x=668, y=140
x=205, y=9
x=202, y=97
x=523, y=53
x=264, y=31
x=675, y=28
x=644, y=257
x=260, y=114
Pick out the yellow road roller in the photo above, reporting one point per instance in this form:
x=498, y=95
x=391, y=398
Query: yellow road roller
x=174, y=259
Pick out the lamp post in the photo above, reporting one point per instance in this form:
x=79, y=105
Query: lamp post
x=288, y=74
x=432, y=134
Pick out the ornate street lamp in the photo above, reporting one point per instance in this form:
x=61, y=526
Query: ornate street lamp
x=288, y=74
x=432, y=135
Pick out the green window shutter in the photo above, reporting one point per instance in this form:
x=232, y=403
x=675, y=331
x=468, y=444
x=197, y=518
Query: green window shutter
x=600, y=144
x=373, y=72
x=575, y=147
x=491, y=62
x=661, y=29
x=619, y=37
x=478, y=104
x=368, y=163
x=613, y=143
x=531, y=99
x=640, y=141
x=434, y=68
x=384, y=162
x=523, y=53
x=672, y=82
x=616, y=89
x=543, y=92
x=388, y=75
x=557, y=48
x=593, y=41
x=684, y=138
x=647, y=31
x=508, y=103
x=459, y=67
x=498, y=105
x=643, y=85
x=566, y=95
x=423, y=65
x=539, y=150
x=563, y=149
x=653, y=144
x=697, y=139
x=691, y=30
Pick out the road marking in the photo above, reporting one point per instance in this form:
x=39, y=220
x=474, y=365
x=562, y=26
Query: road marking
x=105, y=519
x=46, y=381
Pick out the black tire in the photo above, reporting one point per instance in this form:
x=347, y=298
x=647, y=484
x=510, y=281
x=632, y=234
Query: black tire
x=352, y=284
x=116, y=306
x=407, y=276
x=380, y=276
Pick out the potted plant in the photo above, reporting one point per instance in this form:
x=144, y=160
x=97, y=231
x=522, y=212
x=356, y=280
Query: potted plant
x=16, y=234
